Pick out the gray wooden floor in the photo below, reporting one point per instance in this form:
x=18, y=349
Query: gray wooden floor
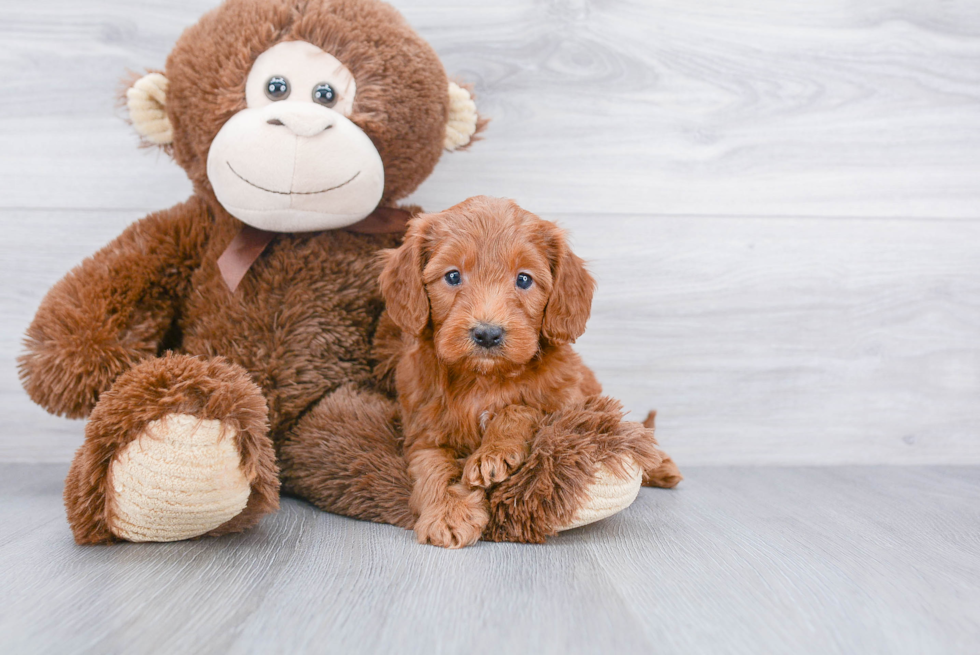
x=736, y=560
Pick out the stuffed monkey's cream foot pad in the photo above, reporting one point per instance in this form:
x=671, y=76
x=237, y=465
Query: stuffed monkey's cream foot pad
x=179, y=479
x=609, y=494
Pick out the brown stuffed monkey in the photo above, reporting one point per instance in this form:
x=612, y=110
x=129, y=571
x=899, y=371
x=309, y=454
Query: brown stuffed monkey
x=223, y=347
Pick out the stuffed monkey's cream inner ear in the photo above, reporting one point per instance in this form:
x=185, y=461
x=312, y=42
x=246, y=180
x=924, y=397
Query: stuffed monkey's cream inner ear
x=292, y=161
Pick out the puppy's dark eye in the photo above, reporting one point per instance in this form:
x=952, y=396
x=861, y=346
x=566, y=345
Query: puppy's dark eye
x=453, y=278
x=524, y=281
x=324, y=94
x=277, y=88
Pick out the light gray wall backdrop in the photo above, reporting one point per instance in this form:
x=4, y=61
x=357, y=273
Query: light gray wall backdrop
x=780, y=199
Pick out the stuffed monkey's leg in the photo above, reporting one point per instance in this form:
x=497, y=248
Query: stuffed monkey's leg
x=345, y=457
x=176, y=449
x=585, y=463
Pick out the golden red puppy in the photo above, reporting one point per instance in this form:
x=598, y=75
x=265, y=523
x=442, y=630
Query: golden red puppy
x=488, y=297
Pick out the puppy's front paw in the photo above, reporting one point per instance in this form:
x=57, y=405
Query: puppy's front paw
x=457, y=520
x=492, y=465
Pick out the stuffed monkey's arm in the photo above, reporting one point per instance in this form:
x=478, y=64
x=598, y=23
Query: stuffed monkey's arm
x=112, y=310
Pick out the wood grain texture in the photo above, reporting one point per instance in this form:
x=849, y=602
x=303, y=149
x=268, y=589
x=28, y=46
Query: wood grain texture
x=764, y=341
x=736, y=560
x=768, y=108
x=780, y=200
x=769, y=341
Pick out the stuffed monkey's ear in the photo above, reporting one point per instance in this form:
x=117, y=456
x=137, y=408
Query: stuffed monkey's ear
x=146, y=101
x=401, y=282
x=464, y=122
x=570, y=302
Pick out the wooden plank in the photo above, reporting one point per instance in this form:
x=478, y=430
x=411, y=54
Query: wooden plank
x=820, y=341
x=736, y=560
x=770, y=109
x=774, y=341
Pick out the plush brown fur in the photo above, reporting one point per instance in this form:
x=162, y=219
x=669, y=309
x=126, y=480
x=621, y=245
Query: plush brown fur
x=567, y=451
x=401, y=103
x=345, y=456
x=149, y=391
x=302, y=320
x=147, y=326
x=461, y=400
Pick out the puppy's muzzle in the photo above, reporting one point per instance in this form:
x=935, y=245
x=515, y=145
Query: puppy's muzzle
x=487, y=336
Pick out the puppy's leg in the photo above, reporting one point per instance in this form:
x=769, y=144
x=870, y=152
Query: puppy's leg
x=665, y=475
x=504, y=446
x=450, y=514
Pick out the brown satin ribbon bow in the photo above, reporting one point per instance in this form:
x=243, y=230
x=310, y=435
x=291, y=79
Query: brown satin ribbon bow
x=250, y=241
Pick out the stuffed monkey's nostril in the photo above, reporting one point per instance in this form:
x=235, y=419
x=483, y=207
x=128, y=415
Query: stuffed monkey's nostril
x=308, y=121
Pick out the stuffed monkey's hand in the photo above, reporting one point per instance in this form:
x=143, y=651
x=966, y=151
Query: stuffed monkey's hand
x=111, y=311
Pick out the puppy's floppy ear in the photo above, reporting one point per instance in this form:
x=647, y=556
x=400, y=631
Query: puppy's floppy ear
x=572, y=287
x=401, y=281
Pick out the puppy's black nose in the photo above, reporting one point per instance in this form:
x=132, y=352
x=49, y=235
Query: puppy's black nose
x=487, y=336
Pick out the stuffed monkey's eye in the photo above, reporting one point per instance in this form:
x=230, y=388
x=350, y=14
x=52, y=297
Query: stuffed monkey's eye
x=524, y=281
x=324, y=94
x=453, y=278
x=277, y=88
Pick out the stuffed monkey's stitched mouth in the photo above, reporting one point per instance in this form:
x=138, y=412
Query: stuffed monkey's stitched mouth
x=289, y=193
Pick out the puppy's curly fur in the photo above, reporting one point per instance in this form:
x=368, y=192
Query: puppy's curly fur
x=488, y=298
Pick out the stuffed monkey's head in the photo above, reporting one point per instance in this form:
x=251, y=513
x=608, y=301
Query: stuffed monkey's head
x=299, y=115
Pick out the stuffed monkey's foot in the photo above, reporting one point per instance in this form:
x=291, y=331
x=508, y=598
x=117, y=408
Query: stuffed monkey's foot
x=611, y=492
x=586, y=463
x=175, y=450
x=615, y=488
x=180, y=478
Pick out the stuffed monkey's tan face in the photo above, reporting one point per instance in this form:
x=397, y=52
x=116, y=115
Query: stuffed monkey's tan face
x=292, y=161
